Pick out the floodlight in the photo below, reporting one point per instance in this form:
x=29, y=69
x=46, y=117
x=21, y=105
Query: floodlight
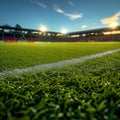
x=63, y=31
x=43, y=28
x=113, y=25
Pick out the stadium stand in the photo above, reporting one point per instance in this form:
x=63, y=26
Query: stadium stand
x=15, y=34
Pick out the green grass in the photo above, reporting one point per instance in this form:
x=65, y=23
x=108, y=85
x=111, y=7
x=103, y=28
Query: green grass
x=22, y=55
x=85, y=91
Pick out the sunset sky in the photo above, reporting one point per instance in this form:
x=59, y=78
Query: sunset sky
x=55, y=15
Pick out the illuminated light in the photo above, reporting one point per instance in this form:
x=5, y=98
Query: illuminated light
x=59, y=34
x=113, y=25
x=35, y=32
x=113, y=32
x=63, y=31
x=43, y=28
x=83, y=35
x=49, y=34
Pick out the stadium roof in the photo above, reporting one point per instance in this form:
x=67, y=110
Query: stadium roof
x=24, y=29
x=100, y=30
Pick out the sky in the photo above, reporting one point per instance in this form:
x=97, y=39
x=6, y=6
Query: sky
x=56, y=15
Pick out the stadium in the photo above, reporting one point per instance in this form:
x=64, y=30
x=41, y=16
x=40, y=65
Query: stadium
x=59, y=60
x=62, y=76
x=18, y=34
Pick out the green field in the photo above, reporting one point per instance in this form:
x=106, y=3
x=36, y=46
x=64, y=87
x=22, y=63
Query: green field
x=88, y=90
x=22, y=55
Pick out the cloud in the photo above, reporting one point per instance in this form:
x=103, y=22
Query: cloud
x=73, y=16
x=111, y=19
x=59, y=10
x=70, y=3
x=83, y=26
x=40, y=4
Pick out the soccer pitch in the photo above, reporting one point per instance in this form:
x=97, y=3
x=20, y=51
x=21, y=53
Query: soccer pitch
x=87, y=90
x=21, y=55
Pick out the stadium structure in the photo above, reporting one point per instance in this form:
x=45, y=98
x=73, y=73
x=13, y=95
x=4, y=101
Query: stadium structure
x=19, y=34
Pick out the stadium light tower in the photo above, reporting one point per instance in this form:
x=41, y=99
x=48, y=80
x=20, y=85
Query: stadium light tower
x=63, y=31
x=43, y=28
x=113, y=25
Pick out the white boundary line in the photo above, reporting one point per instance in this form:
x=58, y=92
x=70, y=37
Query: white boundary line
x=55, y=64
